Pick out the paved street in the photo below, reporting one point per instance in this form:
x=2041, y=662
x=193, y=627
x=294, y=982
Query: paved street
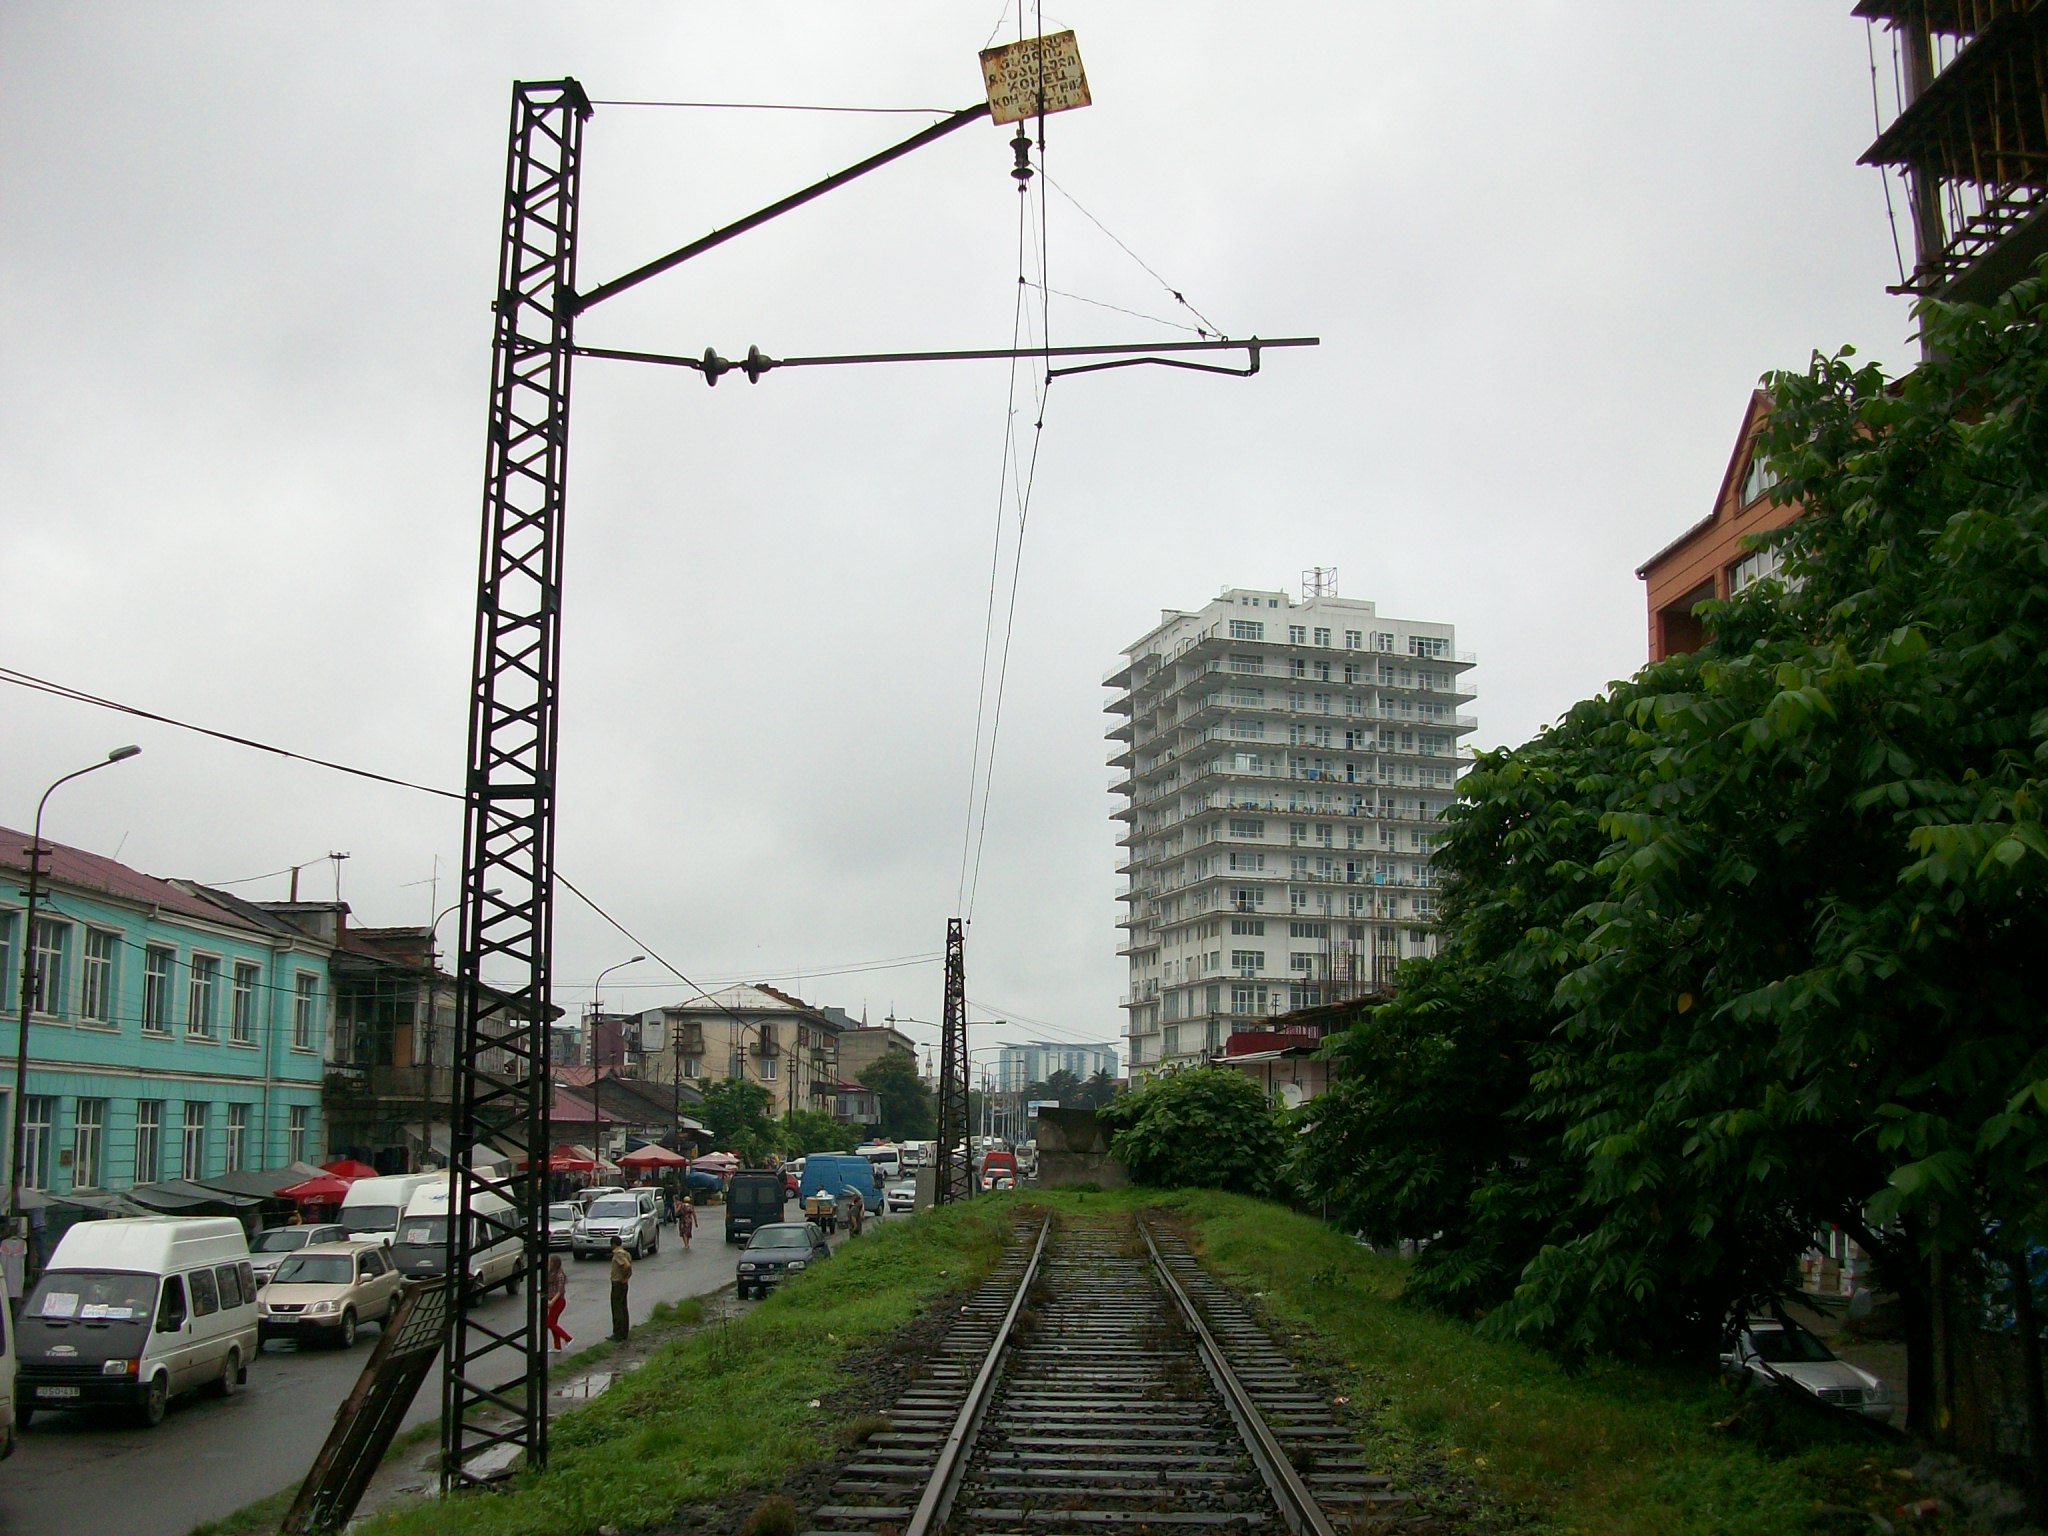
x=80, y=1475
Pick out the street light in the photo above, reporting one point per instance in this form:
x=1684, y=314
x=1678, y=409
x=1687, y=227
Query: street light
x=597, y=1066
x=427, y=1066
x=30, y=987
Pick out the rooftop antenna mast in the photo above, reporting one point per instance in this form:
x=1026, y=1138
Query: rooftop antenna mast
x=1319, y=581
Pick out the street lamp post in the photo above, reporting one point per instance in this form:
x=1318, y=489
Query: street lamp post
x=30, y=987
x=596, y=1065
x=427, y=1066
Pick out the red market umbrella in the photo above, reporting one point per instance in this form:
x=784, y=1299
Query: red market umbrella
x=652, y=1157
x=349, y=1168
x=321, y=1189
x=565, y=1160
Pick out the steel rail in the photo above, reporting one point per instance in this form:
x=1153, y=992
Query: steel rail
x=1298, y=1506
x=937, y=1500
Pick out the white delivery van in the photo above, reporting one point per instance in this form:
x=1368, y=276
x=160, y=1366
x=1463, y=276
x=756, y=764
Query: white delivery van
x=420, y=1249
x=371, y=1207
x=135, y=1311
x=885, y=1157
x=6, y=1375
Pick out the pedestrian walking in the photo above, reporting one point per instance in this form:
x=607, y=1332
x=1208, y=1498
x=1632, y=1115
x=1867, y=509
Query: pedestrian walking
x=622, y=1275
x=686, y=1220
x=558, y=1298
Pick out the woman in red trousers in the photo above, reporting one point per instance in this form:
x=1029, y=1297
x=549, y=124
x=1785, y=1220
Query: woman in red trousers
x=558, y=1298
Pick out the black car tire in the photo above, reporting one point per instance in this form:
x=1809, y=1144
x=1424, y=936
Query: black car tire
x=346, y=1339
x=230, y=1379
x=24, y=1416
x=156, y=1400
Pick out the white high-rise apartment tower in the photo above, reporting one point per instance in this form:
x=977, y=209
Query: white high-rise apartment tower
x=1284, y=763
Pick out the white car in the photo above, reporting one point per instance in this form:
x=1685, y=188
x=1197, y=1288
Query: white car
x=1777, y=1350
x=630, y=1215
x=900, y=1196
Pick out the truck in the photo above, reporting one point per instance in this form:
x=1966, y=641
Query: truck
x=753, y=1200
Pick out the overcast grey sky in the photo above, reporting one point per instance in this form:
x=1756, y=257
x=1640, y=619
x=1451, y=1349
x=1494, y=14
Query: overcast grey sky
x=246, y=254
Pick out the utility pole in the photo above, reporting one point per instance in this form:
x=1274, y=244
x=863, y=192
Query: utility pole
x=509, y=789
x=955, y=1179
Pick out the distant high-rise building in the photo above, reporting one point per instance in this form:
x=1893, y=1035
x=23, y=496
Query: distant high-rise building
x=1019, y=1066
x=1284, y=763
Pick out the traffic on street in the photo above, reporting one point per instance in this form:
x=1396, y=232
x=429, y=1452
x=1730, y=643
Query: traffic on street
x=104, y=1474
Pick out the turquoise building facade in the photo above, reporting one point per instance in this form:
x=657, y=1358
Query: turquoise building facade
x=178, y=1034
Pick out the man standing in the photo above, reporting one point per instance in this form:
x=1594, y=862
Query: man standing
x=622, y=1274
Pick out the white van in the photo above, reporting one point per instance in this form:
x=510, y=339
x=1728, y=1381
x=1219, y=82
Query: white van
x=371, y=1207
x=420, y=1249
x=134, y=1311
x=886, y=1159
x=6, y=1376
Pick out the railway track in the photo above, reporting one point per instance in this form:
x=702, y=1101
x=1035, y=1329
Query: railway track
x=1098, y=1380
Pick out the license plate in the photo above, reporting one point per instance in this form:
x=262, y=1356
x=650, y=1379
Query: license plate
x=56, y=1391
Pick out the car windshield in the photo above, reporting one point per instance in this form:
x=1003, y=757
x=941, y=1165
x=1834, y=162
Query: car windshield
x=280, y=1240
x=369, y=1218
x=423, y=1231
x=90, y=1296
x=561, y=1213
x=615, y=1210
x=779, y=1237
x=316, y=1269
x=1788, y=1346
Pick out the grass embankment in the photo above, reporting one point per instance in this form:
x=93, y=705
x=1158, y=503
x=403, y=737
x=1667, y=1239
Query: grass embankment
x=1474, y=1426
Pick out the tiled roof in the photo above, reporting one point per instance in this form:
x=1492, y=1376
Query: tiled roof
x=74, y=867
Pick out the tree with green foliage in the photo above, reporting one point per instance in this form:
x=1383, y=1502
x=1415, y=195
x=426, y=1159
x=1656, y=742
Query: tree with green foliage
x=739, y=1116
x=1197, y=1128
x=1752, y=943
x=801, y=1132
x=1096, y=1092
x=909, y=1112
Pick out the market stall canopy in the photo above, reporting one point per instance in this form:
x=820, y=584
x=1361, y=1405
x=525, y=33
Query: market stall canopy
x=652, y=1157
x=350, y=1168
x=181, y=1197
x=321, y=1189
x=570, y=1160
x=716, y=1162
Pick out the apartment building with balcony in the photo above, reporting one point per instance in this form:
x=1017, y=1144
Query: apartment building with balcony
x=751, y=1032
x=1281, y=765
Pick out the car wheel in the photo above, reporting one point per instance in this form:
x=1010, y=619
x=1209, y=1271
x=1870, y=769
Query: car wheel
x=156, y=1398
x=346, y=1339
x=230, y=1375
x=24, y=1416
x=512, y=1283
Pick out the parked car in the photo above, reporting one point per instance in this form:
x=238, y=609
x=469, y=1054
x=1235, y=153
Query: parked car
x=1772, y=1350
x=562, y=1222
x=322, y=1294
x=900, y=1196
x=630, y=1215
x=776, y=1251
x=270, y=1248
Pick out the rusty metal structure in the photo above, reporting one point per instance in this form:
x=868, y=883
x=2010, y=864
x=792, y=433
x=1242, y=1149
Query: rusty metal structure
x=1971, y=138
x=494, y=1378
x=494, y=1386
x=955, y=1179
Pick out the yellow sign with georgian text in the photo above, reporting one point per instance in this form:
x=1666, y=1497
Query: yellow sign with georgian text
x=1033, y=77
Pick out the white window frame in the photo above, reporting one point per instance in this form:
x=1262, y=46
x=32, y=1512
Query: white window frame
x=202, y=997
x=97, y=973
x=89, y=1144
x=192, y=1140
x=159, y=972
x=38, y=1140
x=298, y=1131
x=149, y=1141
x=246, y=980
x=235, y=1144
x=52, y=940
x=305, y=1012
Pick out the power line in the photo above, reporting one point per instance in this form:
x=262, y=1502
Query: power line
x=781, y=106
x=79, y=695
